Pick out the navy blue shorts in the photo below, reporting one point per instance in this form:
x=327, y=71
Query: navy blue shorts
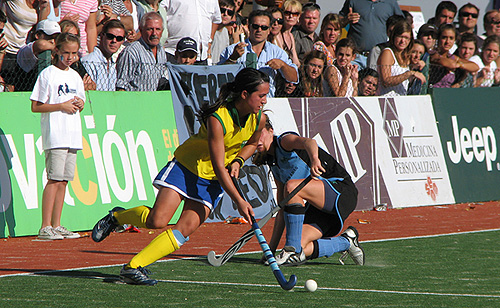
x=189, y=185
x=340, y=201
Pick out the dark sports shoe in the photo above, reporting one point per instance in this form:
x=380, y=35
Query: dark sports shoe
x=288, y=257
x=355, y=251
x=105, y=226
x=137, y=276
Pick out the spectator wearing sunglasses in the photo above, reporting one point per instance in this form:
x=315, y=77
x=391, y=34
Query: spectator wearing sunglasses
x=305, y=34
x=292, y=10
x=467, y=18
x=141, y=65
x=491, y=22
x=276, y=33
x=258, y=53
x=100, y=64
x=467, y=22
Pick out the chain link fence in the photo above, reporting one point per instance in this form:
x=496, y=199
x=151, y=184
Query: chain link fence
x=153, y=77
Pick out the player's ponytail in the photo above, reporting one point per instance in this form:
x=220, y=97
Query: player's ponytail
x=247, y=79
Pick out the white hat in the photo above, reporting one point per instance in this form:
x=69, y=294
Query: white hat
x=48, y=27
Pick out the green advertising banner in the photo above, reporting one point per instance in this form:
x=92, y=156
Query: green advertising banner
x=127, y=138
x=468, y=124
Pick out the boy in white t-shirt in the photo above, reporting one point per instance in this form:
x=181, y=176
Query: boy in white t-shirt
x=59, y=95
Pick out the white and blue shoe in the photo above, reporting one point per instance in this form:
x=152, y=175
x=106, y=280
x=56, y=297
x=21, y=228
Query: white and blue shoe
x=355, y=251
x=288, y=257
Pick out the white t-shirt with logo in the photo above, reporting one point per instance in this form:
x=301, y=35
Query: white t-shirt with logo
x=59, y=129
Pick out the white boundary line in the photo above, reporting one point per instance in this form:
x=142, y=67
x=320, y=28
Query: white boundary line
x=428, y=236
x=332, y=289
x=296, y=287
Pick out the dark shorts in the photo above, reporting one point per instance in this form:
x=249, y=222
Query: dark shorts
x=340, y=201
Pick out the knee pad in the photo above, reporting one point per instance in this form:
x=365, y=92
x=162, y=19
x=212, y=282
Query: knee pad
x=295, y=208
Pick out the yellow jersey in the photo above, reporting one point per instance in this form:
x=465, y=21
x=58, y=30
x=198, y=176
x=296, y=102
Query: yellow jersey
x=194, y=153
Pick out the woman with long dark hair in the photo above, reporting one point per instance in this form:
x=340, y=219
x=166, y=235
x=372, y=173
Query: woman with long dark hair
x=311, y=74
x=444, y=65
x=198, y=173
x=394, y=61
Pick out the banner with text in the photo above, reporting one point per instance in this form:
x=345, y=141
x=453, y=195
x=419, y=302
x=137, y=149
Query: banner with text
x=123, y=149
x=468, y=124
x=390, y=146
x=193, y=86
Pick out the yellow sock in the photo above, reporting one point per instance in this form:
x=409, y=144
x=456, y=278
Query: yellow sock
x=135, y=216
x=164, y=244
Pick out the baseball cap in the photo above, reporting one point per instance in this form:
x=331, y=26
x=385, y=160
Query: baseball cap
x=185, y=44
x=48, y=27
x=427, y=29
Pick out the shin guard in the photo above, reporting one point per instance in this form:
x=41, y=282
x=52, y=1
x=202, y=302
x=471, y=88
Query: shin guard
x=136, y=216
x=294, y=218
x=163, y=245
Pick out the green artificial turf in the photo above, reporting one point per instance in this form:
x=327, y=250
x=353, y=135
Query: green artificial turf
x=445, y=271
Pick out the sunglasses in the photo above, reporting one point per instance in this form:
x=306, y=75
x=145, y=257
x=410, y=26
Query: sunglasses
x=494, y=22
x=311, y=4
x=110, y=37
x=467, y=14
x=290, y=13
x=263, y=27
x=280, y=21
x=229, y=12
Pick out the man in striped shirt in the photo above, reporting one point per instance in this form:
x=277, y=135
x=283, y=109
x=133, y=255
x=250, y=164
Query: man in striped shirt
x=141, y=65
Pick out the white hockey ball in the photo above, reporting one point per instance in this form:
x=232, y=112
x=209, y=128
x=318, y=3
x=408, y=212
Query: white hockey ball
x=311, y=285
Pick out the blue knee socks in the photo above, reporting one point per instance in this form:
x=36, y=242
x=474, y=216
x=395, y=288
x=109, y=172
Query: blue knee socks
x=293, y=223
x=330, y=245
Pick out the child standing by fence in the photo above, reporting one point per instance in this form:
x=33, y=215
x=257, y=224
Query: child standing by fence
x=59, y=96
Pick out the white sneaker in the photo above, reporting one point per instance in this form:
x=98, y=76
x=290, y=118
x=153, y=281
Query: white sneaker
x=61, y=230
x=355, y=251
x=48, y=233
x=288, y=257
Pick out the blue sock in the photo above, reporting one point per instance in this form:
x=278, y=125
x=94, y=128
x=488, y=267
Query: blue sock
x=293, y=223
x=330, y=245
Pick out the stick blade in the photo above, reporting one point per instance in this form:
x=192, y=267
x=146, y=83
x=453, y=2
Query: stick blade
x=290, y=283
x=212, y=259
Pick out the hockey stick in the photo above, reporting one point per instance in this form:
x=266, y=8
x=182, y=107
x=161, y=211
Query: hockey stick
x=285, y=285
x=218, y=261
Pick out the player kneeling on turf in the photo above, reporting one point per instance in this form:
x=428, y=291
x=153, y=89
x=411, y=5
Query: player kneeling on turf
x=311, y=231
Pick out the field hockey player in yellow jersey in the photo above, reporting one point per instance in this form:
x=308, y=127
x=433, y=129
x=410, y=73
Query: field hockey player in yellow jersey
x=198, y=174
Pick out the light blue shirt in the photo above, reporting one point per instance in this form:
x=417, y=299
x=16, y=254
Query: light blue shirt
x=270, y=51
x=101, y=70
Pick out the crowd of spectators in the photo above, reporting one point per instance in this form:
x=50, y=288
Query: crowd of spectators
x=125, y=44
